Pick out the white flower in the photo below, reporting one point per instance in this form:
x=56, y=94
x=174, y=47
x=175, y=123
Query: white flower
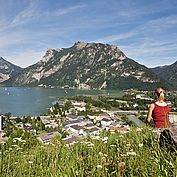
x=99, y=166
x=105, y=138
x=105, y=155
x=90, y=145
x=100, y=153
x=112, y=145
x=131, y=153
x=30, y=162
x=128, y=145
x=139, y=129
x=140, y=145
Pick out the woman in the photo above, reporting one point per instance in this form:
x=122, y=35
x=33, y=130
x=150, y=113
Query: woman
x=159, y=110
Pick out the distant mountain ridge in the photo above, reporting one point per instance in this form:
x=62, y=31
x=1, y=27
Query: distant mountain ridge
x=167, y=72
x=8, y=70
x=85, y=66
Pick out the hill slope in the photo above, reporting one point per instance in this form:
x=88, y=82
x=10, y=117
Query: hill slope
x=8, y=70
x=168, y=73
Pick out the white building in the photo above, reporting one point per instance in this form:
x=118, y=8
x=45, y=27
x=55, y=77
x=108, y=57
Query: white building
x=76, y=130
x=106, y=122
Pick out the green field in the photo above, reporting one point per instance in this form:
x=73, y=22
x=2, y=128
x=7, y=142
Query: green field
x=132, y=154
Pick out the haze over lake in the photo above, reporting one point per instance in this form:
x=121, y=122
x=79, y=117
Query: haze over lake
x=31, y=101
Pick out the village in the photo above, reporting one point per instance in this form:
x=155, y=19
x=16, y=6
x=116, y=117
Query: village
x=75, y=118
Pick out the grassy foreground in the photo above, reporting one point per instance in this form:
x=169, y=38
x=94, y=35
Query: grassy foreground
x=132, y=154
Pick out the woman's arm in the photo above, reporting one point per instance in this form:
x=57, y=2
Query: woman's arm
x=149, y=115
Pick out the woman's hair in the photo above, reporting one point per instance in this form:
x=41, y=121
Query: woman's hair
x=160, y=93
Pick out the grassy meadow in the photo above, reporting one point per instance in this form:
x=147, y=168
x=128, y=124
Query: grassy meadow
x=135, y=153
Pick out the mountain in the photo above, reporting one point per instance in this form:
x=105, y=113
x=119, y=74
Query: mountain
x=167, y=72
x=88, y=65
x=8, y=70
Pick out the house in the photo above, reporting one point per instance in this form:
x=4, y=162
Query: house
x=51, y=125
x=119, y=126
x=47, y=137
x=72, y=122
x=77, y=130
x=71, y=116
x=79, y=106
x=45, y=119
x=19, y=125
x=173, y=118
x=94, y=131
x=106, y=122
x=100, y=117
x=89, y=125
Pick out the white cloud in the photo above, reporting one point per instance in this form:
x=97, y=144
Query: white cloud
x=28, y=13
x=113, y=38
x=64, y=11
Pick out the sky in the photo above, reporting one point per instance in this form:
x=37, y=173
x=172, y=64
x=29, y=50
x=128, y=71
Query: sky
x=145, y=30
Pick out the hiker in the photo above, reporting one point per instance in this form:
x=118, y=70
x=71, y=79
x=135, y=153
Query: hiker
x=159, y=110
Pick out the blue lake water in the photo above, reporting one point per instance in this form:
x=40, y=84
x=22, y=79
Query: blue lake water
x=31, y=101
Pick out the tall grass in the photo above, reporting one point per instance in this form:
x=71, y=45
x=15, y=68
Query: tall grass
x=132, y=154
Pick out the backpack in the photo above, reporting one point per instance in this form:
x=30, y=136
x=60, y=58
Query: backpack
x=168, y=139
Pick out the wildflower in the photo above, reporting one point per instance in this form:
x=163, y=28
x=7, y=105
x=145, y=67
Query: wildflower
x=105, y=142
x=96, y=137
x=105, y=138
x=105, y=155
x=121, y=164
x=100, y=153
x=103, y=158
x=112, y=145
x=140, y=145
x=128, y=145
x=131, y=153
x=90, y=145
x=139, y=129
x=2, y=142
x=19, y=148
x=99, y=166
x=124, y=132
x=123, y=155
x=30, y=162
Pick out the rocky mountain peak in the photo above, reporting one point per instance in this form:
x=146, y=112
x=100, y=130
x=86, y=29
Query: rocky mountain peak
x=87, y=65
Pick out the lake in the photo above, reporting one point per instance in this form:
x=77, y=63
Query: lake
x=32, y=101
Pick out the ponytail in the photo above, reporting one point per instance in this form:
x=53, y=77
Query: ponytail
x=160, y=93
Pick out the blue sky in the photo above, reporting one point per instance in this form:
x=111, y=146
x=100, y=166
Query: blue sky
x=145, y=30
